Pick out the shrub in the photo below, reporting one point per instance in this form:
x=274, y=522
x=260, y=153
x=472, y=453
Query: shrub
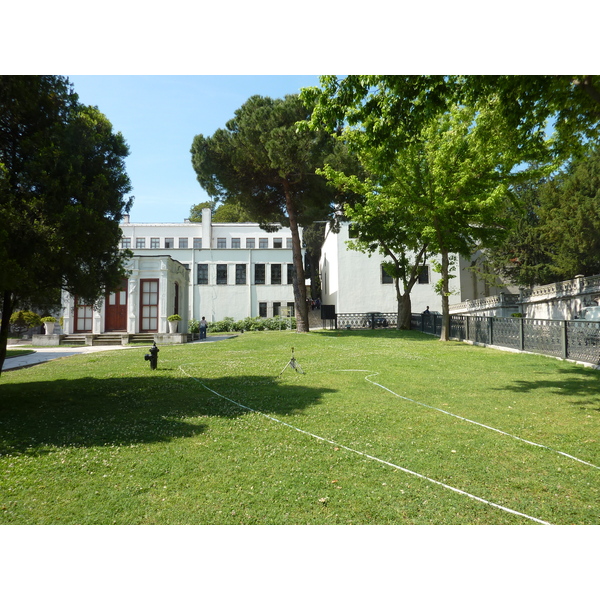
x=173, y=318
x=25, y=319
x=194, y=326
x=48, y=319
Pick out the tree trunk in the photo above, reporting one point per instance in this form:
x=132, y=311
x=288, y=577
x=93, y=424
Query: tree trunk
x=7, y=309
x=300, y=279
x=404, y=307
x=445, y=335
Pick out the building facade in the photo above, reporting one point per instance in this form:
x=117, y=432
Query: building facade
x=211, y=270
x=355, y=282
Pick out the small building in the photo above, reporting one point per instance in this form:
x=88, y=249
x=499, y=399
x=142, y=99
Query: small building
x=211, y=270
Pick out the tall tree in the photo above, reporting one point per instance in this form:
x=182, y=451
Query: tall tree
x=264, y=163
x=463, y=136
x=62, y=185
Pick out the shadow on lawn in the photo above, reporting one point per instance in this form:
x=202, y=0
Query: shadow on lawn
x=86, y=412
x=578, y=382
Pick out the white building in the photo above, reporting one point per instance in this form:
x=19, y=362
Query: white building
x=355, y=282
x=211, y=270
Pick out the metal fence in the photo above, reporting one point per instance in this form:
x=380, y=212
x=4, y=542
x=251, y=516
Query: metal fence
x=573, y=340
x=365, y=320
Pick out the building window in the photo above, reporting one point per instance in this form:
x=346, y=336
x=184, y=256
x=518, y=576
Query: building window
x=202, y=274
x=126, y=243
x=221, y=243
x=262, y=310
x=277, y=242
x=276, y=309
x=259, y=274
x=385, y=277
x=154, y=242
x=291, y=309
x=140, y=242
x=221, y=274
x=263, y=242
x=275, y=274
x=240, y=274
x=424, y=274
x=198, y=243
x=288, y=243
x=84, y=314
x=183, y=242
x=250, y=243
x=149, y=305
x=169, y=243
x=290, y=273
x=235, y=242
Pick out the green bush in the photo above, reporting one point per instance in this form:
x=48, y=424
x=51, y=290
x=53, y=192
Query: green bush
x=25, y=319
x=228, y=324
x=194, y=326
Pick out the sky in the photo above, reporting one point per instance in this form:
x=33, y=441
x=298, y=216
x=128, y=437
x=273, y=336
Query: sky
x=159, y=115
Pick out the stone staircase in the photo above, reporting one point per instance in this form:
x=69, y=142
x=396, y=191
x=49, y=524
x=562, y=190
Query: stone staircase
x=106, y=339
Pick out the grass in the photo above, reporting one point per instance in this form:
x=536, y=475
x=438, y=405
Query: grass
x=100, y=439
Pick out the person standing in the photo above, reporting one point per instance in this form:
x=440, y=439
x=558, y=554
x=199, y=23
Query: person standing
x=203, y=326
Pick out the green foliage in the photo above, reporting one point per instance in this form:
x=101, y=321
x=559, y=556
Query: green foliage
x=194, y=326
x=48, y=319
x=24, y=319
x=555, y=231
x=173, y=318
x=264, y=163
x=63, y=184
x=196, y=211
x=228, y=324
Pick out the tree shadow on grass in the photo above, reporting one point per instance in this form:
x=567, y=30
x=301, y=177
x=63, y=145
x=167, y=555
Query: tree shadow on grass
x=577, y=382
x=37, y=417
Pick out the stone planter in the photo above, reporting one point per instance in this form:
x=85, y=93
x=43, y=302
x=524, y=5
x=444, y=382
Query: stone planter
x=49, y=328
x=173, y=326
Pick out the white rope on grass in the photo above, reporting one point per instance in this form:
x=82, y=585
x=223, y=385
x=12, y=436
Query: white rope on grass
x=384, y=462
x=373, y=374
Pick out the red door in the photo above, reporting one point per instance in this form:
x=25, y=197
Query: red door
x=116, y=309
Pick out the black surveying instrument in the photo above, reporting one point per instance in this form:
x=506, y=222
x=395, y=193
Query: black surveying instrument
x=292, y=364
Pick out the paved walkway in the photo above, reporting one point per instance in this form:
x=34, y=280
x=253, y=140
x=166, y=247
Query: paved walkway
x=42, y=356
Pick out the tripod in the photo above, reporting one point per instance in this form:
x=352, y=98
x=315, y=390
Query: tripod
x=293, y=364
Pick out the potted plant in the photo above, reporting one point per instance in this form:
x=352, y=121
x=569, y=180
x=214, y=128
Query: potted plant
x=173, y=321
x=49, y=323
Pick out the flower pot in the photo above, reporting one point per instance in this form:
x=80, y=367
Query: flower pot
x=49, y=328
x=173, y=326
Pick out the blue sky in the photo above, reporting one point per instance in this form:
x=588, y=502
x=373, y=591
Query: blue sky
x=159, y=117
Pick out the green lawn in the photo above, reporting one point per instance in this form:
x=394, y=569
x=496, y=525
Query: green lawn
x=215, y=436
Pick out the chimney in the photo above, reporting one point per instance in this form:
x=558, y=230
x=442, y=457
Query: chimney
x=206, y=228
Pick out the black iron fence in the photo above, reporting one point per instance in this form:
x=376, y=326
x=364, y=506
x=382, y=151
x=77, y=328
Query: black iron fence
x=573, y=340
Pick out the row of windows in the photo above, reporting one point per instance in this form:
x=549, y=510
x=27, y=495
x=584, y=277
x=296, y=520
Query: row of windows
x=423, y=275
x=183, y=242
x=241, y=274
x=263, y=312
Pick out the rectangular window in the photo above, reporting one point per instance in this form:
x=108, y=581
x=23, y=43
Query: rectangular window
x=385, y=278
x=140, y=242
x=235, y=242
x=149, y=305
x=221, y=243
x=263, y=242
x=276, y=308
x=240, y=274
x=183, y=242
x=169, y=243
x=202, y=274
x=291, y=309
x=424, y=274
x=154, y=242
x=262, y=310
x=250, y=243
x=198, y=243
x=277, y=242
x=83, y=317
x=126, y=242
x=259, y=274
x=288, y=243
x=221, y=274
x=290, y=273
x=275, y=274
